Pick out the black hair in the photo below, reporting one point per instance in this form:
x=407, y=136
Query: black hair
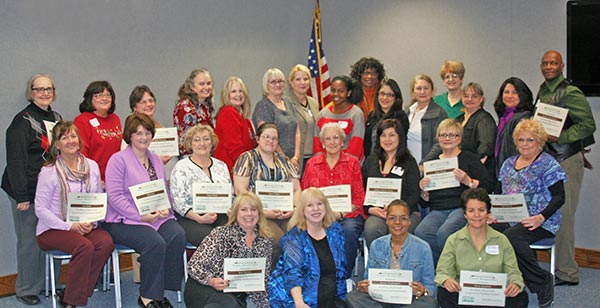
x=479, y=194
x=352, y=85
x=96, y=87
x=364, y=64
x=525, y=96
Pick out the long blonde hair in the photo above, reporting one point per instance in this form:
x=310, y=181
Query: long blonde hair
x=308, y=195
x=250, y=198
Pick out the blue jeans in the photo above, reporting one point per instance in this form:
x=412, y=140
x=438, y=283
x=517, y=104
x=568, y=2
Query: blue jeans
x=437, y=226
x=353, y=227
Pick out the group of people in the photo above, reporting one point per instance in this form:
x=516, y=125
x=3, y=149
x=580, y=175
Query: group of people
x=365, y=132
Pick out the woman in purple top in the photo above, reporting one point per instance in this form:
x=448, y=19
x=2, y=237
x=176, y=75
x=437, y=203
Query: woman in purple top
x=157, y=237
x=67, y=170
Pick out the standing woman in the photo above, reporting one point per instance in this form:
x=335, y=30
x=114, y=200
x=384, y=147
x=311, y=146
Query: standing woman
x=195, y=104
x=424, y=117
x=234, y=128
x=452, y=73
x=67, y=170
x=513, y=104
x=388, y=105
x=26, y=147
x=370, y=72
x=307, y=109
x=98, y=125
x=199, y=167
x=276, y=109
x=345, y=94
x=157, y=237
x=311, y=270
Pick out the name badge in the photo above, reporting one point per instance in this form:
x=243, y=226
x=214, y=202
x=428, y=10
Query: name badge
x=492, y=250
x=343, y=124
x=397, y=170
x=94, y=122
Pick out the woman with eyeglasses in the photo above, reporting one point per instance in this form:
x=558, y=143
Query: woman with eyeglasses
x=26, y=148
x=370, y=72
x=388, y=105
x=446, y=216
x=452, y=73
x=265, y=163
x=540, y=178
x=98, y=125
x=277, y=109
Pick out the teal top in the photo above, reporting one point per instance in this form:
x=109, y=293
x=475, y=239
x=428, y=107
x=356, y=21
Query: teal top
x=452, y=111
x=496, y=256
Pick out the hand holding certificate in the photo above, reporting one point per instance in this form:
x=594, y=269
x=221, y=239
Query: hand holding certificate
x=482, y=289
x=441, y=173
x=509, y=208
x=382, y=191
x=390, y=286
x=165, y=142
x=276, y=195
x=211, y=197
x=551, y=117
x=86, y=207
x=339, y=197
x=244, y=274
x=150, y=196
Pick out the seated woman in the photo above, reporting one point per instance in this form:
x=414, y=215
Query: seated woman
x=403, y=251
x=157, y=237
x=199, y=167
x=477, y=247
x=264, y=163
x=67, y=170
x=336, y=167
x=539, y=177
x=391, y=159
x=446, y=216
x=246, y=235
x=311, y=270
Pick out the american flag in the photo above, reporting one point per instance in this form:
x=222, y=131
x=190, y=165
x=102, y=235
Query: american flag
x=320, y=82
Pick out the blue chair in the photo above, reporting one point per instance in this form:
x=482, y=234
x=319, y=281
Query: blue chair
x=546, y=244
x=188, y=246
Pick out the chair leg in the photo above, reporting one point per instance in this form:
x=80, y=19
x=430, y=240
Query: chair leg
x=46, y=278
x=552, y=260
x=52, y=282
x=185, y=261
x=117, y=278
x=179, y=297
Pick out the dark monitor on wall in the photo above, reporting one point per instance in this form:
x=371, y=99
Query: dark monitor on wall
x=583, y=45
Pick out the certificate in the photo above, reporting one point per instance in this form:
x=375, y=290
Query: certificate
x=211, y=197
x=390, y=286
x=244, y=274
x=441, y=173
x=150, y=196
x=482, y=289
x=551, y=117
x=382, y=191
x=49, y=126
x=276, y=195
x=86, y=207
x=509, y=208
x=165, y=142
x=339, y=197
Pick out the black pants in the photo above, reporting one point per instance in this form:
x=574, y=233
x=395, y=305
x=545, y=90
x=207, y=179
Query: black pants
x=197, y=295
x=450, y=300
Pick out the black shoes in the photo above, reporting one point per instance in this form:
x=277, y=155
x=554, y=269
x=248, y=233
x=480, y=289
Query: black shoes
x=560, y=282
x=29, y=299
x=151, y=304
x=546, y=294
x=164, y=303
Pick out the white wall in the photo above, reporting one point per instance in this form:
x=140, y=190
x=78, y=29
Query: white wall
x=158, y=43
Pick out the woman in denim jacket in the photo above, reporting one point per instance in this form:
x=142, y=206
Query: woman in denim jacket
x=403, y=251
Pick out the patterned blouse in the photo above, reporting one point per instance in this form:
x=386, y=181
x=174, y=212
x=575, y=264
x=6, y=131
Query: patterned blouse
x=250, y=164
x=185, y=173
x=533, y=182
x=229, y=242
x=186, y=115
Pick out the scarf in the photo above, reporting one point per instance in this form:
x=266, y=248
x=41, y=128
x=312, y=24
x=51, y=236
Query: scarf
x=66, y=175
x=506, y=116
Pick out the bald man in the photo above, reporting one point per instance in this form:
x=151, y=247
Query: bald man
x=577, y=133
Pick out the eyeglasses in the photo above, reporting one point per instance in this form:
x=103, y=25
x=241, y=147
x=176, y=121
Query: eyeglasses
x=526, y=140
x=43, y=90
x=276, y=82
x=102, y=95
x=198, y=139
x=270, y=138
x=451, y=76
x=448, y=136
x=383, y=94
x=402, y=219
x=372, y=73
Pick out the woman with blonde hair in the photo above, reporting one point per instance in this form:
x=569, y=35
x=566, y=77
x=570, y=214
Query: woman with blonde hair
x=246, y=235
x=312, y=267
x=234, y=128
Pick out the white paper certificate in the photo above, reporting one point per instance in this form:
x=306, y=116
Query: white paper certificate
x=150, y=196
x=509, y=208
x=481, y=288
x=382, y=191
x=165, y=142
x=49, y=126
x=211, y=197
x=339, y=197
x=276, y=195
x=86, y=207
x=441, y=173
x=244, y=274
x=390, y=286
x=551, y=117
